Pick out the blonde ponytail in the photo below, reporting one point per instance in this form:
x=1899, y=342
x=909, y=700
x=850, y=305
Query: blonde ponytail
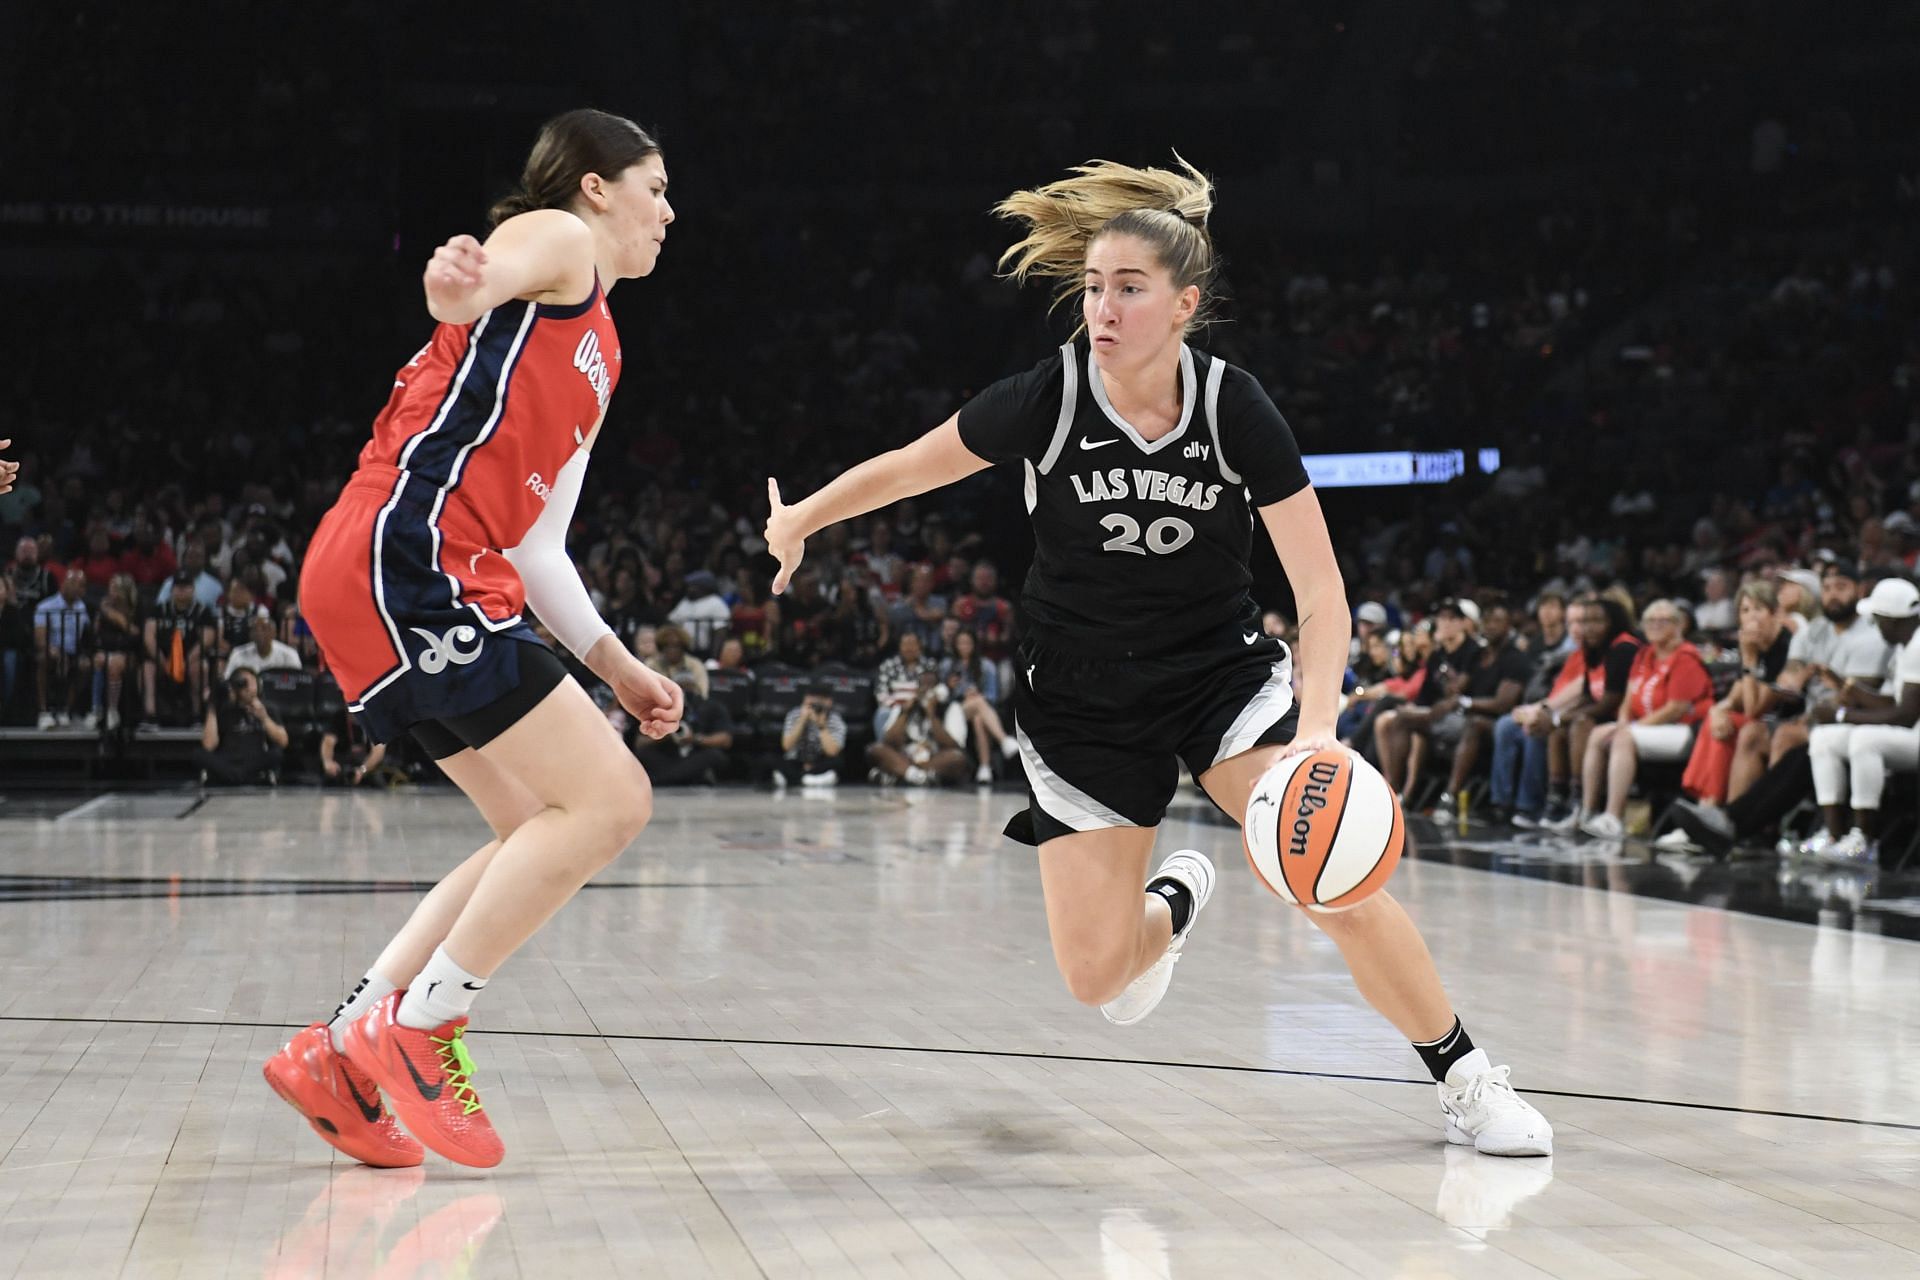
x=1165, y=208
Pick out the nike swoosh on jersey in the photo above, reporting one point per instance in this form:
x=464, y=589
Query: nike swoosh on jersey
x=431, y=1092
x=1249, y=639
x=370, y=1110
x=1095, y=444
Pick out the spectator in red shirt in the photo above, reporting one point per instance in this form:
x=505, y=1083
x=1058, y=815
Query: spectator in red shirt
x=149, y=559
x=1668, y=693
x=987, y=613
x=99, y=563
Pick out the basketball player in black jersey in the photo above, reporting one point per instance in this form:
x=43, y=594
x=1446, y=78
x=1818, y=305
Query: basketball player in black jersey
x=1145, y=464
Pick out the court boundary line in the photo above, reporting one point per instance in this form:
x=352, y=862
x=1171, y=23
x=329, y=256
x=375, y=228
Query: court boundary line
x=1026, y=1054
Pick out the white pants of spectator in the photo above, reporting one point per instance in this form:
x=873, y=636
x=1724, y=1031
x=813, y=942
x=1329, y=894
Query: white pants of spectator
x=1662, y=743
x=1861, y=753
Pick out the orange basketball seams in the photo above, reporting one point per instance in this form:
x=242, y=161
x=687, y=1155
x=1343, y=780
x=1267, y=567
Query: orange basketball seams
x=1323, y=831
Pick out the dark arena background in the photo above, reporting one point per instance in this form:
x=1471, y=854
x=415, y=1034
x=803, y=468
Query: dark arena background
x=1597, y=327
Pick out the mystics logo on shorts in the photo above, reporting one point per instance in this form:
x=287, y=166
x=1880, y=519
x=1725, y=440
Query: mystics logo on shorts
x=588, y=359
x=448, y=648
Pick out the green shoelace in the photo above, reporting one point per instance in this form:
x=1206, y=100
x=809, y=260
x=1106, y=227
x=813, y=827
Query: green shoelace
x=458, y=1064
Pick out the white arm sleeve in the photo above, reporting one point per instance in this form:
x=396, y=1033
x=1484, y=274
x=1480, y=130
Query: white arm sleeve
x=554, y=588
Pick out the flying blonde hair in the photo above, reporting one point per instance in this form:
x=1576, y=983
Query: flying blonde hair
x=1165, y=208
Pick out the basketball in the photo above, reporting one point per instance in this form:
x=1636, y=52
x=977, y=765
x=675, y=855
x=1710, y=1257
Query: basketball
x=1323, y=831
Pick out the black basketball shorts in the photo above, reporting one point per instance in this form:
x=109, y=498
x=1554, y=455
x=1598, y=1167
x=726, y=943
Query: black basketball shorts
x=1103, y=740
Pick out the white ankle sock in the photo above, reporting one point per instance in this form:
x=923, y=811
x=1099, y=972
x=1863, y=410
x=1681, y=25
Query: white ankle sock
x=372, y=990
x=443, y=991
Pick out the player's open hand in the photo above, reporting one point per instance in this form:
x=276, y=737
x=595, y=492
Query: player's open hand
x=649, y=697
x=785, y=538
x=454, y=273
x=8, y=470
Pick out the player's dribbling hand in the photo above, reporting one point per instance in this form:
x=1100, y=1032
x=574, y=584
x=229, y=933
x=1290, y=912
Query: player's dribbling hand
x=785, y=541
x=8, y=470
x=453, y=273
x=1309, y=742
x=649, y=697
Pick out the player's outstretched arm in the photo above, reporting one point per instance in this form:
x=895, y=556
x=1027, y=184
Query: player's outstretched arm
x=1299, y=531
x=937, y=458
x=540, y=252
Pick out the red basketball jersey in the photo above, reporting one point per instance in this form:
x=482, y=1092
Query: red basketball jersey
x=485, y=415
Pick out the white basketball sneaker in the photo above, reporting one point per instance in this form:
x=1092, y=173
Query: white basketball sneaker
x=1484, y=1112
x=1192, y=869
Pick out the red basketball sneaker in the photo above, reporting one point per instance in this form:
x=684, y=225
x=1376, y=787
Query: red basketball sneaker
x=428, y=1078
x=339, y=1101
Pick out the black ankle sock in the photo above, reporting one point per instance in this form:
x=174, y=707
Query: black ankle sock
x=1441, y=1054
x=1179, y=900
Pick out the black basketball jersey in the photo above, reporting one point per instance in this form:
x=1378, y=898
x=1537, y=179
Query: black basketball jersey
x=1140, y=544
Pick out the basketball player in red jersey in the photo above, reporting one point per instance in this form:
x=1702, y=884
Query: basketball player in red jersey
x=1147, y=465
x=414, y=585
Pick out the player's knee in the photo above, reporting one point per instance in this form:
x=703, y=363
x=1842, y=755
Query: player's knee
x=621, y=810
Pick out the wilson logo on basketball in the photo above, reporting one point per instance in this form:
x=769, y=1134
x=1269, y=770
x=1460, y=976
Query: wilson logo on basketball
x=587, y=358
x=1321, y=775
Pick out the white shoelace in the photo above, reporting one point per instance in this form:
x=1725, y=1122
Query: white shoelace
x=1493, y=1080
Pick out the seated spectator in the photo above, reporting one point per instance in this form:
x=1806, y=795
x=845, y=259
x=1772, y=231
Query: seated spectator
x=1668, y=692
x=697, y=751
x=1764, y=645
x=32, y=581
x=1369, y=619
x=116, y=635
x=1717, y=612
x=973, y=693
x=206, y=587
x=627, y=608
x=898, y=682
x=1798, y=591
x=811, y=742
x=234, y=618
x=1365, y=682
x=987, y=612
x=1524, y=738
x=174, y=641
x=1411, y=650
x=916, y=748
x=732, y=656
x=62, y=664
x=16, y=643
x=1863, y=741
x=1553, y=639
x=702, y=614
x=802, y=611
x=347, y=757
x=672, y=658
x=1495, y=682
x=99, y=562
x=1608, y=651
x=240, y=742
x=920, y=611
x=1403, y=733
x=1838, y=651
x=856, y=631
x=263, y=653
x=149, y=560
x=755, y=619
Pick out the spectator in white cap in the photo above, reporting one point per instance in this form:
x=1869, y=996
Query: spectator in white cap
x=1866, y=734
x=1370, y=617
